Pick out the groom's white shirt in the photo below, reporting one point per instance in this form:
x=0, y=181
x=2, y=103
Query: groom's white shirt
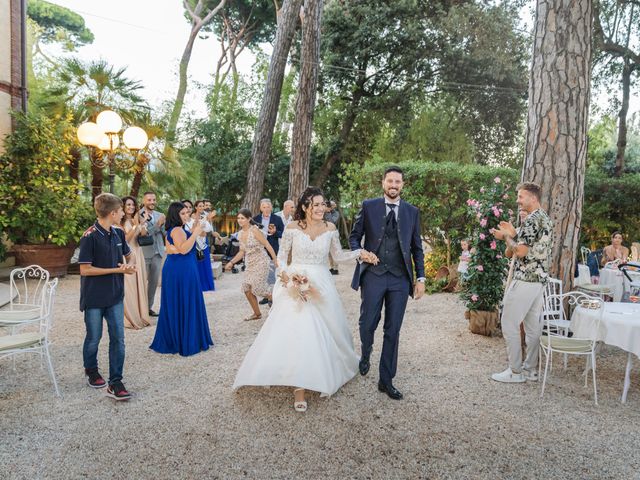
x=388, y=201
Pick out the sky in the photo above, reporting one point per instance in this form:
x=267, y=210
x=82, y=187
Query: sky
x=148, y=37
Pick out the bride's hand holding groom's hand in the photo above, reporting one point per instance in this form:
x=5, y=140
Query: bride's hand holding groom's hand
x=369, y=257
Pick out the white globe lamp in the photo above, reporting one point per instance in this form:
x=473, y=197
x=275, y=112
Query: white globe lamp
x=90, y=134
x=109, y=121
x=135, y=138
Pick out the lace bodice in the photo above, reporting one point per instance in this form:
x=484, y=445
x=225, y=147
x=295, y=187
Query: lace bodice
x=306, y=251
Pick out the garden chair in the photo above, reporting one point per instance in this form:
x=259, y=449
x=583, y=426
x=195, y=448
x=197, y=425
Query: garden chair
x=35, y=341
x=557, y=343
x=27, y=289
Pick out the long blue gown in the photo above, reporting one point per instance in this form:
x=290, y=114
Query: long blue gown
x=182, y=323
x=205, y=271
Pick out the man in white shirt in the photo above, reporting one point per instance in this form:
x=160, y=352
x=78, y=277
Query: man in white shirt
x=286, y=214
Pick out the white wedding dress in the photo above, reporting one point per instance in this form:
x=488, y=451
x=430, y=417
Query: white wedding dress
x=304, y=344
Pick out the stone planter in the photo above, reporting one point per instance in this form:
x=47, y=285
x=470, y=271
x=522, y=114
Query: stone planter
x=482, y=322
x=53, y=258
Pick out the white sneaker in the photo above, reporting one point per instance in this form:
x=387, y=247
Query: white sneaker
x=530, y=375
x=508, y=377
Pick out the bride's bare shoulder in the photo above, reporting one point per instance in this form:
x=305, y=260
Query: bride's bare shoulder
x=293, y=226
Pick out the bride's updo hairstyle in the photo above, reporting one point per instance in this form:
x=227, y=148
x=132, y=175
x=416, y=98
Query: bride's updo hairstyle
x=305, y=200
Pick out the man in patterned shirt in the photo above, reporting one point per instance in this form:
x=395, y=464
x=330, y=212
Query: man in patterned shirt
x=523, y=300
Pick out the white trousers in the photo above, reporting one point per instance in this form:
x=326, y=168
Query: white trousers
x=522, y=303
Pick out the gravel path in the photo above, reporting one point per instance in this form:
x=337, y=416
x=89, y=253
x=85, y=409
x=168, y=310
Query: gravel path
x=185, y=422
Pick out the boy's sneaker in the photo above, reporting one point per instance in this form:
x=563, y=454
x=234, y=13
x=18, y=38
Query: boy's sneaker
x=508, y=377
x=530, y=375
x=94, y=379
x=117, y=391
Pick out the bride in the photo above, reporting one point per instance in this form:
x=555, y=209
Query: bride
x=305, y=342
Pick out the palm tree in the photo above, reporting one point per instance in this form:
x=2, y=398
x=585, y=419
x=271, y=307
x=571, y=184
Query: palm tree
x=88, y=88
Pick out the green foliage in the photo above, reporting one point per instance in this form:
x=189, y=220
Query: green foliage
x=58, y=24
x=39, y=203
x=483, y=285
x=439, y=190
x=610, y=204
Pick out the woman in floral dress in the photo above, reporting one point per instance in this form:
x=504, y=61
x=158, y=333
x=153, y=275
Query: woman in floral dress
x=254, y=248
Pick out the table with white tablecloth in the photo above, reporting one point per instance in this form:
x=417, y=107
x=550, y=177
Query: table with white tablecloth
x=614, y=279
x=620, y=327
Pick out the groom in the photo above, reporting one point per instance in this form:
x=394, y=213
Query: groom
x=391, y=230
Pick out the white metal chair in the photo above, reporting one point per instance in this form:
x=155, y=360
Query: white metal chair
x=27, y=291
x=35, y=341
x=556, y=343
x=584, y=253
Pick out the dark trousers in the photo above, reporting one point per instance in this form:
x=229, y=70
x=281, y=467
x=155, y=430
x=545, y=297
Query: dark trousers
x=393, y=292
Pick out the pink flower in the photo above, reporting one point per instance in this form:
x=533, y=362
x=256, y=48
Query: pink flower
x=483, y=222
x=478, y=215
x=470, y=202
x=474, y=298
x=510, y=213
x=493, y=245
x=480, y=268
x=497, y=180
x=481, y=189
x=482, y=236
x=496, y=211
x=498, y=257
x=505, y=196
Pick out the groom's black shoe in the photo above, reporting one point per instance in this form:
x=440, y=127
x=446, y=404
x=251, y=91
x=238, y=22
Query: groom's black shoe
x=390, y=390
x=364, y=365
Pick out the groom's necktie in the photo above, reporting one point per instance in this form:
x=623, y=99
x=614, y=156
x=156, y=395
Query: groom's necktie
x=391, y=217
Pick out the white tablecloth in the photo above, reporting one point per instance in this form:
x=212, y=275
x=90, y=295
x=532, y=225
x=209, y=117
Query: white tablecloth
x=584, y=276
x=614, y=278
x=620, y=325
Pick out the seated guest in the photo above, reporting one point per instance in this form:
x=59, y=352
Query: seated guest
x=616, y=251
x=136, y=305
x=182, y=325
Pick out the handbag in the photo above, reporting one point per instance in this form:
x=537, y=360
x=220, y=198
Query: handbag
x=145, y=240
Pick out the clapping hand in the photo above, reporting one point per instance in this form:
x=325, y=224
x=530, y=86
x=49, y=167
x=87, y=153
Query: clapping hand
x=369, y=257
x=127, y=268
x=505, y=229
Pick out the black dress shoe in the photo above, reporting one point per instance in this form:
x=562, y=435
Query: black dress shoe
x=152, y=313
x=334, y=271
x=390, y=390
x=264, y=301
x=363, y=366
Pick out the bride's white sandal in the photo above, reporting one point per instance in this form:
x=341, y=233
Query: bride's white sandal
x=299, y=406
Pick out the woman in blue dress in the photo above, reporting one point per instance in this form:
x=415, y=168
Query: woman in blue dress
x=203, y=253
x=182, y=324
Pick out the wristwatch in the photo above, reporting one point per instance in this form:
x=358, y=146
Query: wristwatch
x=421, y=279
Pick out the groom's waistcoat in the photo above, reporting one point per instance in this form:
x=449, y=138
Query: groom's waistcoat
x=389, y=253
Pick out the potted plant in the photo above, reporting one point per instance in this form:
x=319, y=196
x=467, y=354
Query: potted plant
x=483, y=284
x=41, y=212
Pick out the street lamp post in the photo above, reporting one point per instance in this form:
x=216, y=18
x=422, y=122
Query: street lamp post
x=104, y=135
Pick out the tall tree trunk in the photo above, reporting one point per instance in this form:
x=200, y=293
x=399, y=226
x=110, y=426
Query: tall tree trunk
x=74, y=166
x=97, y=177
x=305, y=104
x=622, y=118
x=556, y=147
x=287, y=22
x=321, y=176
x=137, y=181
x=196, y=25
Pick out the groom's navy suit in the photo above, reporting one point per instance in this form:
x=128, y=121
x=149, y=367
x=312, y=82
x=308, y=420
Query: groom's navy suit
x=394, y=236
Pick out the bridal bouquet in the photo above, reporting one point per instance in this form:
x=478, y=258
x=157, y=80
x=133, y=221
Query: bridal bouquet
x=301, y=289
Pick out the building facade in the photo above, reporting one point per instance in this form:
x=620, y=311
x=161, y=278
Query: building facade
x=13, y=80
